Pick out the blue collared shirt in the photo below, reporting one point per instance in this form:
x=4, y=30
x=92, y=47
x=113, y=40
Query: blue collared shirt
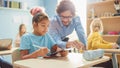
x=58, y=31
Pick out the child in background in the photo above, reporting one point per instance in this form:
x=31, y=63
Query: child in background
x=39, y=42
x=95, y=39
x=22, y=30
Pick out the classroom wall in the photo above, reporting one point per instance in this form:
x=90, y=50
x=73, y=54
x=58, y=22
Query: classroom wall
x=50, y=7
x=10, y=19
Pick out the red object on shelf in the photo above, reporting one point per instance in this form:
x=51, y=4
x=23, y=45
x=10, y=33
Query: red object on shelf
x=113, y=33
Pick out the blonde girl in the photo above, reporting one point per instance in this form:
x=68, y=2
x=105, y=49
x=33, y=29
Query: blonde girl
x=95, y=39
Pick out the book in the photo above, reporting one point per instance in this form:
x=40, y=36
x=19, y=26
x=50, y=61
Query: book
x=1, y=3
x=13, y=4
x=20, y=5
x=5, y=3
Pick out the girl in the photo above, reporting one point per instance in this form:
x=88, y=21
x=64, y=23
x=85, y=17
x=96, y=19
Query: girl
x=95, y=39
x=22, y=30
x=38, y=42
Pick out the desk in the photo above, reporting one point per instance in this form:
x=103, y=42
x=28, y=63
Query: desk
x=6, y=52
x=114, y=59
x=73, y=60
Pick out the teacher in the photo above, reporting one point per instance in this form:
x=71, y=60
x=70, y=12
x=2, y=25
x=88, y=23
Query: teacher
x=63, y=25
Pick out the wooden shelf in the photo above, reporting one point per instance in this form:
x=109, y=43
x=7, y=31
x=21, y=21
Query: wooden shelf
x=112, y=17
x=111, y=23
x=101, y=2
x=110, y=38
x=110, y=35
x=101, y=8
x=14, y=9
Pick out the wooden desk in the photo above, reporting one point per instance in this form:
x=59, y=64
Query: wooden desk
x=112, y=50
x=7, y=52
x=73, y=60
x=114, y=58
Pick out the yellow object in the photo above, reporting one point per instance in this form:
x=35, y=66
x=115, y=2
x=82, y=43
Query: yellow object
x=81, y=51
x=95, y=41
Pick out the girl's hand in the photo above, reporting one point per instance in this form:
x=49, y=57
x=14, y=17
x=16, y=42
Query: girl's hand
x=115, y=46
x=63, y=53
x=42, y=51
x=55, y=48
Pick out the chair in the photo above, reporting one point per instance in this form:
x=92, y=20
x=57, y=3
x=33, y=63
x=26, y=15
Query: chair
x=15, y=55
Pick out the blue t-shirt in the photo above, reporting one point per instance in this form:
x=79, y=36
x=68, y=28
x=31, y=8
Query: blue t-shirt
x=29, y=41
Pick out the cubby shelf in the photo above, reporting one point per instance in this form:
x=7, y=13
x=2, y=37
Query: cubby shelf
x=14, y=9
x=111, y=23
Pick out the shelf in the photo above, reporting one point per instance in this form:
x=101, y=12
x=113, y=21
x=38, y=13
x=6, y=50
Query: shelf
x=104, y=10
x=112, y=17
x=14, y=9
x=101, y=3
x=110, y=35
x=101, y=9
x=109, y=24
x=110, y=38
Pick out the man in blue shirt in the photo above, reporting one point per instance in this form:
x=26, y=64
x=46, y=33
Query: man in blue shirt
x=64, y=23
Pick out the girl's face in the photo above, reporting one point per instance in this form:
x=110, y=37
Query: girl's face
x=23, y=29
x=66, y=17
x=42, y=27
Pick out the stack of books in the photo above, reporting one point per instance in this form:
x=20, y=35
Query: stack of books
x=11, y=4
x=14, y=4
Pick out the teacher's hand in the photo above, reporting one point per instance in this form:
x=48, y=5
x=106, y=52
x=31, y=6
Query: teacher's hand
x=75, y=44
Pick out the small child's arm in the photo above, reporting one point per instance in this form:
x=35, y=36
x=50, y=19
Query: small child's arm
x=40, y=52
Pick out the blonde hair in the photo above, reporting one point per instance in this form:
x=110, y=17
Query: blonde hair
x=96, y=25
